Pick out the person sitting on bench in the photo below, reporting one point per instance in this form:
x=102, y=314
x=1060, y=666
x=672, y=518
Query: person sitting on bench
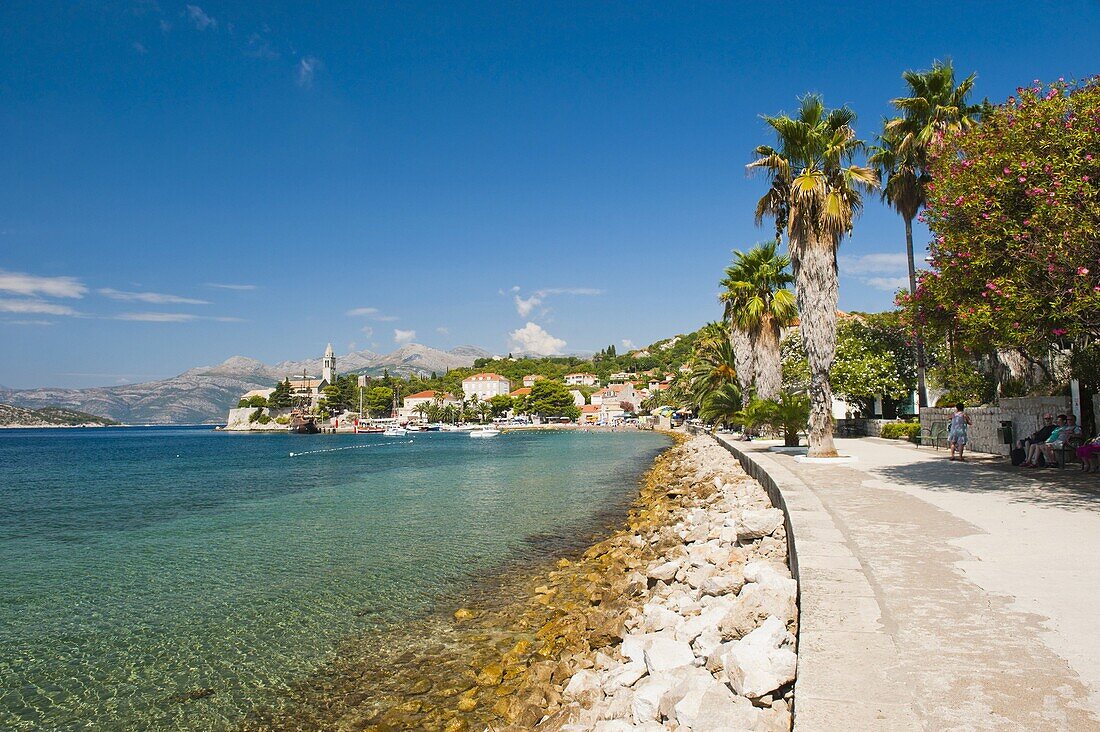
x=1035, y=449
x=1040, y=435
x=1089, y=454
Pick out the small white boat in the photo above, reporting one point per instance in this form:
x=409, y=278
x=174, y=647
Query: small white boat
x=396, y=432
x=484, y=432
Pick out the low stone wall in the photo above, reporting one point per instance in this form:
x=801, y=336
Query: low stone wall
x=1025, y=413
x=862, y=427
x=239, y=420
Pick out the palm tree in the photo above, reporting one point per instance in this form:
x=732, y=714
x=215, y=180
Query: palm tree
x=813, y=162
x=759, y=304
x=714, y=363
x=722, y=406
x=423, y=408
x=936, y=107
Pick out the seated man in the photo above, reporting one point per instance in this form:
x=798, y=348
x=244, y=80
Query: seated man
x=1039, y=435
x=1035, y=449
x=1072, y=429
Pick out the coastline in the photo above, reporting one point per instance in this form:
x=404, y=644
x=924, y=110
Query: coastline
x=535, y=650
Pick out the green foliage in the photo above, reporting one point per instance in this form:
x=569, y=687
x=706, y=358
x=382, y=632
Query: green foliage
x=256, y=415
x=334, y=400
x=551, y=399
x=1014, y=207
x=263, y=419
x=873, y=358
x=280, y=398
x=901, y=430
x=723, y=406
x=378, y=401
x=755, y=288
x=253, y=401
x=787, y=415
x=500, y=404
x=713, y=364
x=282, y=419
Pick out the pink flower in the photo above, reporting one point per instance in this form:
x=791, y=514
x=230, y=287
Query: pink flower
x=1022, y=178
x=1058, y=331
x=1082, y=270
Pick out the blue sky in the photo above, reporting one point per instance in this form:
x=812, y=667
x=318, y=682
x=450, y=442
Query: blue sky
x=183, y=182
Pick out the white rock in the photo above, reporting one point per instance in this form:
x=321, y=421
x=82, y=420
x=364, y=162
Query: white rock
x=761, y=662
x=715, y=709
x=663, y=572
x=706, y=642
x=723, y=583
x=686, y=679
x=756, y=523
x=657, y=617
x=755, y=603
x=768, y=573
x=662, y=654
x=583, y=685
x=623, y=675
x=697, y=576
x=613, y=725
x=646, y=703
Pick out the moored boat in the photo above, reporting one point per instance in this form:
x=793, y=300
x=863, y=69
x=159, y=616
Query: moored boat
x=396, y=432
x=484, y=432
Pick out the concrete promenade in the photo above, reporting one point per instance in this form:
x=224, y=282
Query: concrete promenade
x=939, y=595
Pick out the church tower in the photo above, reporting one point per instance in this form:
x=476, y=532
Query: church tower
x=328, y=366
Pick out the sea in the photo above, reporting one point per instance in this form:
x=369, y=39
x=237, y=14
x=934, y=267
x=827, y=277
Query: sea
x=183, y=578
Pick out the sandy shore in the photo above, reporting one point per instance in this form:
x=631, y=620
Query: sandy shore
x=684, y=618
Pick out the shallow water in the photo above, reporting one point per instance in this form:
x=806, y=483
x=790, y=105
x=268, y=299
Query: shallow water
x=181, y=578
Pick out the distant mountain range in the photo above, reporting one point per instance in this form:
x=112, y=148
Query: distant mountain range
x=203, y=394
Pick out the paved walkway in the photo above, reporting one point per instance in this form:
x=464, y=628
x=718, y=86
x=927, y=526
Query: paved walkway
x=939, y=595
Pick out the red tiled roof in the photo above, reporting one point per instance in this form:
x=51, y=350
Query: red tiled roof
x=524, y=391
x=590, y=408
x=429, y=394
x=488, y=376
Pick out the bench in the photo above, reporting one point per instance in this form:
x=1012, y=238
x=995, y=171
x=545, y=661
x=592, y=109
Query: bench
x=1069, y=450
x=934, y=435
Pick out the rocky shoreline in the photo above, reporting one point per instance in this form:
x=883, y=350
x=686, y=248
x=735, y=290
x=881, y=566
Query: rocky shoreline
x=685, y=618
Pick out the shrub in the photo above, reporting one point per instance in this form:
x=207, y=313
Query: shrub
x=255, y=416
x=282, y=419
x=263, y=419
x=901, y=430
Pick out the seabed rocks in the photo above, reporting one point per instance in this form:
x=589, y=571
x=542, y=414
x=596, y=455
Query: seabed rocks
x=684, y=619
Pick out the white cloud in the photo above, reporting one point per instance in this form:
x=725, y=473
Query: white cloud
x=526, y=305
x=531, y=338
x=888, y=284
x=173, y=318
x=443, y=331
x=259, y=47
x=367, y=331
x=27, y=322
x=403, y=336
x=26, y=284
x=155, y=298
x=628, y=344
x=35, y=306
x=200, y=19
x=222, y=286
x=307, y=69
x=875, y=263
x=371, y=314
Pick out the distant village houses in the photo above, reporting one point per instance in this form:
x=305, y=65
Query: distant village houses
x=582, y=379
x=409, y=404
x=530, y=379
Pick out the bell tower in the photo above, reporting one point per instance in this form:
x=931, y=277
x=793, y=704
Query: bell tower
x=328, y=366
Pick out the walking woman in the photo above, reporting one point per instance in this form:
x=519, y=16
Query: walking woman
x=956, y=435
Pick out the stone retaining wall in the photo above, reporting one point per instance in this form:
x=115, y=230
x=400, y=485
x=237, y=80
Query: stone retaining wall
x=1025, y=413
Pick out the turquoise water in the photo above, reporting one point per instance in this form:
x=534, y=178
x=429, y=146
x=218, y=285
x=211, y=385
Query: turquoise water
x=172, y=578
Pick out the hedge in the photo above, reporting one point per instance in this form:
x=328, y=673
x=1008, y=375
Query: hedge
x=901, y=430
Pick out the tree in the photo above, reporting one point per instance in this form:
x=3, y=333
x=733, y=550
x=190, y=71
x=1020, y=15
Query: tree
x=423, y=409
x=936, y=107
x=813, y=163
x=334, y=399
x=1014, y=208
x=379, y=401
x=551, y=399
x=758, y=304
x=256, y=402
x=280, y=398
x=500, y=404
x=722, y=406
x=786, y=415
x=713, y=362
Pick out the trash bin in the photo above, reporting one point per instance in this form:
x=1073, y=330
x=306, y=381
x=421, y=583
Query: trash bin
x=1005, y=433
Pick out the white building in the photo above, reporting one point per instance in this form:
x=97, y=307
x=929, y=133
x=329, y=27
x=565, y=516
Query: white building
x=582, y=379
x=617, y=394
x=578, y=398
x=485, y=386
x=530, y=379
x=328, y=366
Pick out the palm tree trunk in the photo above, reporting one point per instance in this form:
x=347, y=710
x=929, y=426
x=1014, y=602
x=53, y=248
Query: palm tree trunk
x=765, y=353
x=918, y=345
x=743, y=361
x=816, y=295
